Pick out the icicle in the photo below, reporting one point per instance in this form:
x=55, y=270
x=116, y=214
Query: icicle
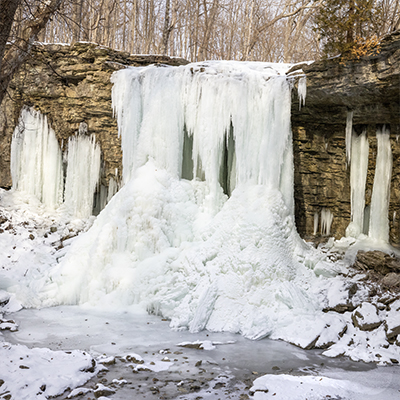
x=206, y=100
x=349, y=132
x=36, y=166
x=379, y=219
x=83, y=172
x=316, y=217
x=112, y=188
x=302, y=91
x=358, y=178
x=326, y=221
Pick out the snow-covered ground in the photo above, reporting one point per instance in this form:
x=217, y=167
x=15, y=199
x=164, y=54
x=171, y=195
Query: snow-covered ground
x=47, y=351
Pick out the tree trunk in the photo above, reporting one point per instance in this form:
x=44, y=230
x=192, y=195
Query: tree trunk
x=20, y=51
x=7, y=13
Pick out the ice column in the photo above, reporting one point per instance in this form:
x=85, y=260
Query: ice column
x=326, y=221
x=349, y=134
x=83, y=172
x=302, y=91
x=358, y=177
x=379, y=223
x=36, y=162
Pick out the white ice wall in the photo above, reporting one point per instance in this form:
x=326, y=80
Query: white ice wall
x=379, y=219
x=37, y=167
x=83, y=173
x=358, y=178
x=153, y=105
x=36, y=164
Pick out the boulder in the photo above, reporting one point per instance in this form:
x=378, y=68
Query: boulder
x=377, y=261
x=366, y=317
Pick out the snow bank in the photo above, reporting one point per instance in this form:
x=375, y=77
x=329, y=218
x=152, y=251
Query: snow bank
x=42, y=373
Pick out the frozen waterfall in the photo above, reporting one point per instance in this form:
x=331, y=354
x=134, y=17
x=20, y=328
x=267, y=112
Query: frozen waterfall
x=372, y=220
x=202, y=231
x=379, y=220
x=37, y=166
x=358, y=177
x=220, y=106
x=36, y=161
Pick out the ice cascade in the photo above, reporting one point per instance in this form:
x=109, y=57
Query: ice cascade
x=37, y=166
x=83, y=170
x=372, y=220
x=358, y=178
x=202, y=231
x=379, y=220
x=36, y=162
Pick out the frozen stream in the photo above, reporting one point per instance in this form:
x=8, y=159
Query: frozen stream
x=224, y=372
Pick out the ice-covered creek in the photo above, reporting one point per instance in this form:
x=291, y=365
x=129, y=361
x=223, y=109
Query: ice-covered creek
x=225, y=372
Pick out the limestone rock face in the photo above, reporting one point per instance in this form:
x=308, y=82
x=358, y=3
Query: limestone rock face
x=71, y=85
x=369, y=87
x=380, y=267
x=378, y=261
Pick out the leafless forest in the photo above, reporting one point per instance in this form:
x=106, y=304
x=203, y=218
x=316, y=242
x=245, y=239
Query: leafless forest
x=263, y=30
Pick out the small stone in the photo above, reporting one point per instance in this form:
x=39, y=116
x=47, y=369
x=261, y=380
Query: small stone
x=102, y=390
x=31, y=236
x=275, y=368
x=131, y=358
x=53, y=229
x=198, y=364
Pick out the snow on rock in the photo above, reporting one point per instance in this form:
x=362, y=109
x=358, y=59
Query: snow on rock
x=79, y=392
x=366, y=317
x=201, y=345
x=393, y=321
x=102, y=390
x=40, y=373
x=8, y=325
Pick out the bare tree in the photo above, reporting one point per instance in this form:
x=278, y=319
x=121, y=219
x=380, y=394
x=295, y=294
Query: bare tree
x=20, y=49
x=8, y=9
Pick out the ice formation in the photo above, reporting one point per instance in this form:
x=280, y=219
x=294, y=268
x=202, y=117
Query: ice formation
x=302, y=91
x=172, y=239
x=379, y=222
x=372, y=220
x=83, y=171
x=349, y=135
x=37, y=165
x=358, y=178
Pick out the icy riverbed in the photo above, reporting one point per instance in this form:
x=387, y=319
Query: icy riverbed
x=143, y=359
x=49, y=350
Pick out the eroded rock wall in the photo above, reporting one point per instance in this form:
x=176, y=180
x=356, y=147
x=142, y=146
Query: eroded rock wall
x=71, y=85
x=370, y=87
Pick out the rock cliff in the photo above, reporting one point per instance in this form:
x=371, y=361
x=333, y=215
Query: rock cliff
x=370, y=88
x=71, y=84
